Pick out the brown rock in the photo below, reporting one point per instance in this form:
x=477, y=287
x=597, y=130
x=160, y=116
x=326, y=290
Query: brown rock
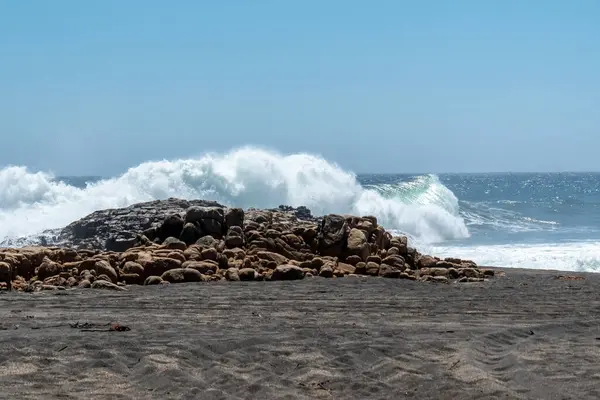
x=153, y=280
x=374, y=258
x=193, y=252
x=389, y=271
x=232, y=241
x=345, y=269
x=361, y=268
x=235, y=253
x=353, y=260
x=438, y=271
x=357, y=244
x=104, y=268
x=453, y=273
x=270, y=256
x=102, y=284
x=232, y=274
x=177, y=255
x=48, y=268
x=182, y=275
x=287, y=272
x=426, y=262
x=6, y=274
x=160, y=265
x=173, y=243
x=394, y=260
x=132, y=279
x=210, y=254
x=446, y=264
x=204, y=267
x=406, y=275
x=372, y=269
x=132, y=267
x=469, y=272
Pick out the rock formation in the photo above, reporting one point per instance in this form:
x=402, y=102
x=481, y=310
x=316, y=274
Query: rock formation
x=175, y=241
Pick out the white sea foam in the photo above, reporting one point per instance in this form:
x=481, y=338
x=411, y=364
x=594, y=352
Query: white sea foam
x=31, y=202
x=576, y=256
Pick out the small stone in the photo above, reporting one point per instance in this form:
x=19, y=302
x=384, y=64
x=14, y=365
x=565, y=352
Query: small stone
x=232, y=274
x=326, y=271
x=247, y=274
x=287, y=272
x=102, y=284
x=182, y=275
x=153, y=280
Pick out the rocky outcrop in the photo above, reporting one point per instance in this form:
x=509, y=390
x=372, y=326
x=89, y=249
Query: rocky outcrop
x=119, y=229
x=178, y=241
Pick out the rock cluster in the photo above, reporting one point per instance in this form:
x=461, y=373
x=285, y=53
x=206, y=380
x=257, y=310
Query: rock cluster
x=203, y=242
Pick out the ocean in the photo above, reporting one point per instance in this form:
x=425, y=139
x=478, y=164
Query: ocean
x=528, y=220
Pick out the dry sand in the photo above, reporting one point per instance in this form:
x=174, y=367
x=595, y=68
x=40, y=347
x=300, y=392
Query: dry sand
x=526, y=335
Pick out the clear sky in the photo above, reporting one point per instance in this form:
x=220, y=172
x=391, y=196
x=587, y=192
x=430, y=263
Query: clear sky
x=377, y=86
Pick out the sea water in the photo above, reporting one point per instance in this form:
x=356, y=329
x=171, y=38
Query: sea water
x=529, y=220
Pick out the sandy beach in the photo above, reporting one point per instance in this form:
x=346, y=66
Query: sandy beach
x=525, y=335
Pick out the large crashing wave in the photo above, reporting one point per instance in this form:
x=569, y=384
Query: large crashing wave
x=248, y=177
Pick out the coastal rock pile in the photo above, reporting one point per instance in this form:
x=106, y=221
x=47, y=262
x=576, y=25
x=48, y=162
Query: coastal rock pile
x=175, y=241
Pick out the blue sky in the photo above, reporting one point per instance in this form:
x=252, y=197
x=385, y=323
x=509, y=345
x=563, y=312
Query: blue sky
x=381, y=86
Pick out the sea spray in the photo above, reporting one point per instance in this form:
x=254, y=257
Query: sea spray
x=246, y=177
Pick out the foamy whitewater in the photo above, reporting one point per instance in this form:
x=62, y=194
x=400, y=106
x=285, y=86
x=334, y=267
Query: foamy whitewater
x=530, y=221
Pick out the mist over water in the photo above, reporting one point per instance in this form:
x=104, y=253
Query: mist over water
x=508, y=220
x=246, y=177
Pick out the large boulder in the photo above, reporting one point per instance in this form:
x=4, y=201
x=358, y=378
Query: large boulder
x=210, y=220
x=333, y=234
x=234, y=217
x=160, y=265
x=171, y=227
x=103, y=267
x=48, y=268
x=357, y=244
x=119, y=229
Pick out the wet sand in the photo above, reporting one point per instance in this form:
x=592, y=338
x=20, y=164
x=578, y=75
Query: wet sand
x=526, y=335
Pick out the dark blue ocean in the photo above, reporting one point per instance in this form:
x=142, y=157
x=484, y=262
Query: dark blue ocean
x=531, y=220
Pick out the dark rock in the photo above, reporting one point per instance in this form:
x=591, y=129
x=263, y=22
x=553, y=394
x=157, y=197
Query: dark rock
x=332, y=236
x=190, y=234
x=119, y=227
x=174, y=244
x=389, y=271
x=171, y=227
x=248, y=274
x=234, y=217
x=210, y=220
x=326, y=271
x=287, y=273
x=153, y=280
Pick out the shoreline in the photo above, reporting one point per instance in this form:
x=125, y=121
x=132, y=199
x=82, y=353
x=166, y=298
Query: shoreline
x=522, y=335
